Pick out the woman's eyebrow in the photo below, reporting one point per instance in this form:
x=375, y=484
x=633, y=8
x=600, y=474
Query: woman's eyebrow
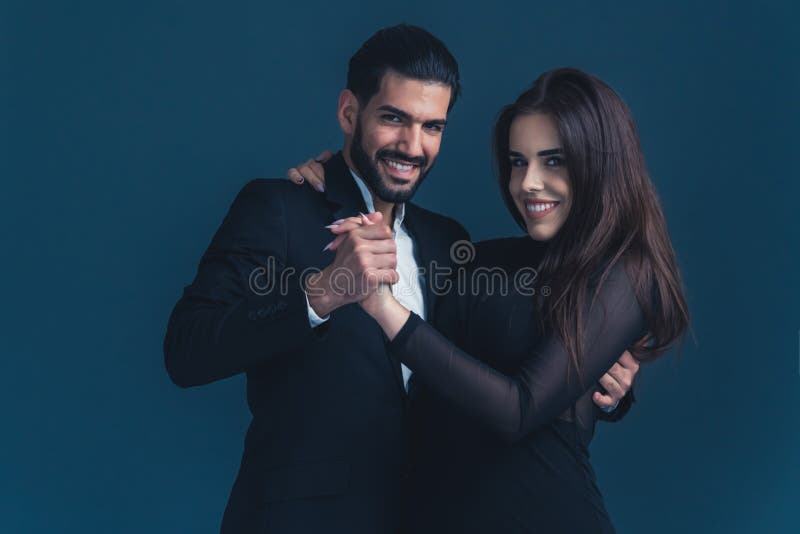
x=549, y=152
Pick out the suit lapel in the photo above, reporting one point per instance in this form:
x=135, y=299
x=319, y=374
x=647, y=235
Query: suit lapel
x=341, y=190
x=427, y=254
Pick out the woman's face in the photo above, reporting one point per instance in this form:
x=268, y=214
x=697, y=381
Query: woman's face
x=539, y=181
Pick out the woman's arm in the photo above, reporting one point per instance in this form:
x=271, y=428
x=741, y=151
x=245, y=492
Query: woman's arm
x=546, y=383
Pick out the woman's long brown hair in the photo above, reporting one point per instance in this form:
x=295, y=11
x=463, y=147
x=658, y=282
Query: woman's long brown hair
x=615, y=214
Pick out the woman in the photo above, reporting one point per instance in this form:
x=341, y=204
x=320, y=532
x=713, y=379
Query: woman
x=504, y=409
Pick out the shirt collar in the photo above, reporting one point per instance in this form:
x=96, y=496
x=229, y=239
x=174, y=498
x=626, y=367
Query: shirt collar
x=399, y=211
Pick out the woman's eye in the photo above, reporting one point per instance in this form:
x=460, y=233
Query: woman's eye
x=518, y=162
x=555, y=161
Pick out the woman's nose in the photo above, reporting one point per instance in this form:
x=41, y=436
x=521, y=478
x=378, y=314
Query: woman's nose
x=533, y=180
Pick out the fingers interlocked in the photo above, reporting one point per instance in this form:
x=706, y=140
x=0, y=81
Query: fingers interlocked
x=365, y=248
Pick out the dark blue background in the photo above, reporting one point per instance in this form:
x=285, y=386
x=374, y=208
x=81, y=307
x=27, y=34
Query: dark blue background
x=127, y=129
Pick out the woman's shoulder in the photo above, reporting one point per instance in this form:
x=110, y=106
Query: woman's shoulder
x=508, y=252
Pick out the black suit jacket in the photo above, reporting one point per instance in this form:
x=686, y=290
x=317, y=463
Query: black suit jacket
x=327, y=448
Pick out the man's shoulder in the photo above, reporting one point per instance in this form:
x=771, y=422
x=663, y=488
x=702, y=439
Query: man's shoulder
x=280, y=189
x=270, y=186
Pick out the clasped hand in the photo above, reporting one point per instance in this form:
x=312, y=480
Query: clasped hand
x=365, y=261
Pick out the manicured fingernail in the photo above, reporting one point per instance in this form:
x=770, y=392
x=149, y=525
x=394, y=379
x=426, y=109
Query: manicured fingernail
x=364, y=219
x=338, y=221
x=334, y=225
x=328, y=246
x=320, y=188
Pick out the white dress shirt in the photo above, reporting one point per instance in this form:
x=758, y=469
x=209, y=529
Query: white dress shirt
x=408, y=290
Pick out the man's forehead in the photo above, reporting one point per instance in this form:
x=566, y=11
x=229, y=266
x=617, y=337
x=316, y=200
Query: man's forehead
x=421, y=99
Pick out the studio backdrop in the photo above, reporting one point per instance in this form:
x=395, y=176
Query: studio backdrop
x=127, y=128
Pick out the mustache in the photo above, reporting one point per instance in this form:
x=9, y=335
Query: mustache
x=419, y=161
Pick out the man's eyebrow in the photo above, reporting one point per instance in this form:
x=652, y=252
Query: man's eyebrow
x=391, y=109
x=549, y=152
x=403, y=115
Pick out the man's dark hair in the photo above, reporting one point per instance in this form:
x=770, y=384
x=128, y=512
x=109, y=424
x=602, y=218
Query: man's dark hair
x=408, y=50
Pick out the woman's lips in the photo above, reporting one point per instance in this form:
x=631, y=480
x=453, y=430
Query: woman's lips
x=536, y=209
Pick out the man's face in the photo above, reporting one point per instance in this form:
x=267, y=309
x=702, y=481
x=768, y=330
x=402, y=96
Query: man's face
x=397, y=135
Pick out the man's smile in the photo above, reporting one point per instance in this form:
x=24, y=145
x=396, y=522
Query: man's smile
x=401, y=170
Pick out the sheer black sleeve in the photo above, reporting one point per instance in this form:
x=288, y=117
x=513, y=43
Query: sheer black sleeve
x=545, y=384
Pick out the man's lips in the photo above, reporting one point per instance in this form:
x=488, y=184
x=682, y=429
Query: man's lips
x=399, y=168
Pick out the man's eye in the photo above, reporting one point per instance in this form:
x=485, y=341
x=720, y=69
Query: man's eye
x=518, y=162
x=390, y=118
x=555, y=161
x=438, y=128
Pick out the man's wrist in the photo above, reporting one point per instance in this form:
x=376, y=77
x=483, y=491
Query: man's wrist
x=313, y=319
x=319, y=299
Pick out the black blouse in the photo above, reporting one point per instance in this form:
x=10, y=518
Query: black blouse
x=498, y=366
x=501, y=422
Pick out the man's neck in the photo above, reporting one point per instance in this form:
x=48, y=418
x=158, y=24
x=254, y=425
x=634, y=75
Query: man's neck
x=385, y=208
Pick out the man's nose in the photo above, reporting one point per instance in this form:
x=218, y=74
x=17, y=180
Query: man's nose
x=411, y=141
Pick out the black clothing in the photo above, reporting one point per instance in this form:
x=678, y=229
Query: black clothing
x=327, y=448
x=502, y=424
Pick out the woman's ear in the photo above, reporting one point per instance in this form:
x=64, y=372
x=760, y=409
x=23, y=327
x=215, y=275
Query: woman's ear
x=348, y=111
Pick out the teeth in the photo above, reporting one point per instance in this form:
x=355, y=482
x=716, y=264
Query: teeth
x=398, y=166
x=536, y=208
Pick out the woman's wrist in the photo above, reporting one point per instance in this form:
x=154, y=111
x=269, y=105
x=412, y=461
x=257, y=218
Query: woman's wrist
x=393, y=316
x=387, y=311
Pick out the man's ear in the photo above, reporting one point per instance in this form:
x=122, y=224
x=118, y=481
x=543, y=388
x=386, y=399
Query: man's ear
x=348, y=111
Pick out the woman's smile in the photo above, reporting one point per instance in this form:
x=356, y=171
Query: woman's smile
x=537, y=209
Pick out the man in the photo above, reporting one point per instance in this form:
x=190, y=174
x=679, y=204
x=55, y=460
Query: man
x=327, y=449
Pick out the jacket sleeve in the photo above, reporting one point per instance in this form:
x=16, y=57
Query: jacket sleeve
x=245, y=305
x=513, y=405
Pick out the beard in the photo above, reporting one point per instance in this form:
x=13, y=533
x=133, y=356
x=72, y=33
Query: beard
x=367, y=169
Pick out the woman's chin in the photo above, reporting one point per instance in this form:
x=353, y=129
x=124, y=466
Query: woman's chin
x=540, y=234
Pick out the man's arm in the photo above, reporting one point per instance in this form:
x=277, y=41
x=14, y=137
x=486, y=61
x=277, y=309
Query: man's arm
x=236, y=313
x=618, y=397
